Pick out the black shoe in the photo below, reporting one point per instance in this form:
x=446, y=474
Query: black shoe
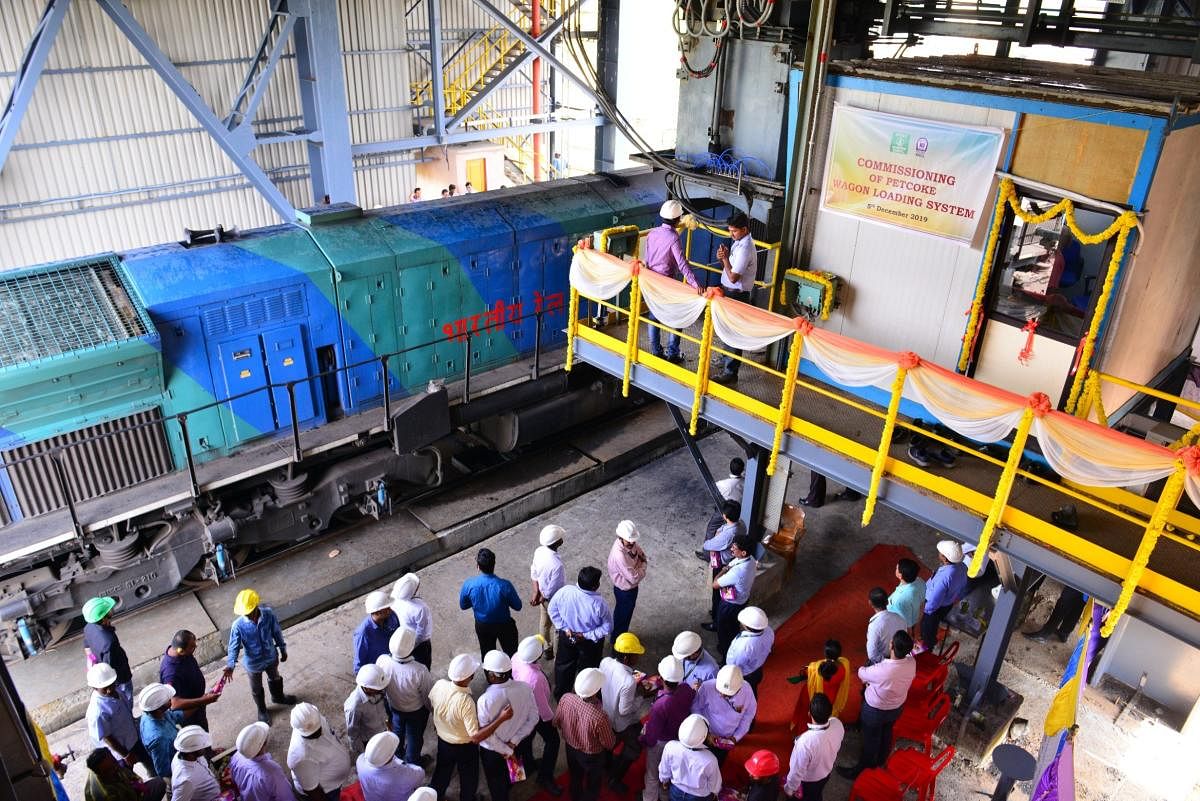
x=848, y=773
x=920, y=456
x=264, y=716
x=725, y=377
x=702, y=555
x=848, y=495
x=675, y=358
x=709, y=626
x=551, y=788
x=1037, y=636
x=811, y=503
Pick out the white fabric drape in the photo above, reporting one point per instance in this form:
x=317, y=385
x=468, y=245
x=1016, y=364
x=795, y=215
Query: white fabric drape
x=599, y=275
x=853, y=369
x=980, y=416
x=746, y=327
x=671, y=302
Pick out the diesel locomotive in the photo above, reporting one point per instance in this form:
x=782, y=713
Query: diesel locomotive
x=167, y=412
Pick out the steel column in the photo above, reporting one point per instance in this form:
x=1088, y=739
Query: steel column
x=607, y=49
x=754, y=494
x=436, y=67
x=995, y=640
x=191, y=100
x=30, y=69
x=323, y=98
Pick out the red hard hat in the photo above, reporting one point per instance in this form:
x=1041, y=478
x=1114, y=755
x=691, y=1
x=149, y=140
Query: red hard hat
x=762, y=764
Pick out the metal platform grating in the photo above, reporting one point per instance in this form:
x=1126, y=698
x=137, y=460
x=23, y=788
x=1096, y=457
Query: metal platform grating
x=63, y=308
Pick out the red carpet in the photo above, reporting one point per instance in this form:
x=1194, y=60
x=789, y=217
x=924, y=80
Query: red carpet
x=840, y=611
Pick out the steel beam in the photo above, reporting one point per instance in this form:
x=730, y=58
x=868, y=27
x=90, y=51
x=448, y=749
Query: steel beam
x=436, y=70
x=694, y=449
x=323, y=99
x=909, y=501
x=30, y=69
x=607, y=50
x=245, y=104
x=997, y=637
x=192, y=101
x=476, y=135
x=547, y=37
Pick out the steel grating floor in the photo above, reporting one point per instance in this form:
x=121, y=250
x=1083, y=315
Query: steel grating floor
x=1170, y=558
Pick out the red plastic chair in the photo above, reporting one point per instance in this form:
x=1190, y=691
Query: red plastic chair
x=922, y=694
x=928, y=661
x=919, y=771
x=919, y=724
x=876, y=784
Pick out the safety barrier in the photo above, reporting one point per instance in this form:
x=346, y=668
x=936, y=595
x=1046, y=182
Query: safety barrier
x=1007, y=412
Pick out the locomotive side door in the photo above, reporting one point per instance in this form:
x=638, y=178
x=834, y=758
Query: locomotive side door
x=286, y=361
x=243, y=371
x=491, y=278
x=369, y=330
x=556, y=289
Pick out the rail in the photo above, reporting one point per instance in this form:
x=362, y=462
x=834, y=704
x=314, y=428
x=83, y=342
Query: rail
x=55, y=454
x=1155, y=519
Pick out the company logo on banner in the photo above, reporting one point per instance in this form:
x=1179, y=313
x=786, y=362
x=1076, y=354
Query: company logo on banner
x=930, y=177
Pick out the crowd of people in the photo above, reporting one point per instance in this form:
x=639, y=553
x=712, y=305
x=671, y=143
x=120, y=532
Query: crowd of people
x=684, y=716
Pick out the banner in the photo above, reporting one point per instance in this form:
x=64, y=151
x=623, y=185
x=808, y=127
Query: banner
x=925, y=176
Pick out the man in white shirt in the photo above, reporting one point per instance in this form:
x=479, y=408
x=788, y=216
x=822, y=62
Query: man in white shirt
x=688, y=770
x=319, y=762
x=407, y=691
x=815, y=751
x=503, y=743
x=192, y=777
x=731, y=488
x=548, y=577
x=624, y=702
x=739, y=268
x=365, y=713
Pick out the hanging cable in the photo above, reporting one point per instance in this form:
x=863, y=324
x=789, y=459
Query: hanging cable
x=758, y=19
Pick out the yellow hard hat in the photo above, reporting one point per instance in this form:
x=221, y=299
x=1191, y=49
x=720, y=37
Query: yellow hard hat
x=628, y=643
x=245, y=603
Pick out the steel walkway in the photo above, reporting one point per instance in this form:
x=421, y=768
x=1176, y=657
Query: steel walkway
x=838, y=434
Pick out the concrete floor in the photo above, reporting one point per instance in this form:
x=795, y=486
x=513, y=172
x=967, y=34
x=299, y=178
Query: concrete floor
x=1138, y=760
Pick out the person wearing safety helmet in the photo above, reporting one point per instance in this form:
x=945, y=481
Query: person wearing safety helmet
x=192, y=776
x=626, y=568
x=751, y=647
x=624, y=701
x=664, y=255
x=110, y=719
x=815, y=751
x=254, y=771
x=508, y=739
x=688, y=770
x=317, y=758
x=943, y=590
x=698, y=664
x=763, y=769
x=587, y=733
x=372, y=635
x=381, y=775
x=729, y=706
x=546, y=572
x=583, y=620
x=101, y=644
x=365, y=713
x=409, y=683
x=256, y=630
x=414, y=613
x=458, y=730
x=158, y=725
x=672, y=704
x=527, y=671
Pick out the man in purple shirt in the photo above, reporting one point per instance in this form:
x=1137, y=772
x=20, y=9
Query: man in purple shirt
x=671, y=706
x=883, y=700
x=664, y=255
x=943, y=590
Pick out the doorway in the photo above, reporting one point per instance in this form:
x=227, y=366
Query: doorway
x=477, y=174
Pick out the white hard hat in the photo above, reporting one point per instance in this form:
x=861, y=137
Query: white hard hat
x=693, y=731
x=191, y=739
x=670, y=210
x=951, y=550
x=531, y=649
x=250, y=740
x=588, y=682
x=101, y=675
x=729, y=680
x=752, y=617
x=406, y=586
x=306, y=718
x=402, y=642
x=671, y=669
x=371, y=677
x=378, y=601
x=423, y=794
x=497, y=662
x=686, y=643
x=462, y=667
x=381, y=748
x=627, y=531
x=551, y=534
x=155, y=696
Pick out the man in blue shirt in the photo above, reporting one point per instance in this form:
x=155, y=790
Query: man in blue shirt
x=491, y=598
x=583, y=620
x=944, y=589
x=733, y=584
x=257, y=631
x=372, y=635
x=159, y=725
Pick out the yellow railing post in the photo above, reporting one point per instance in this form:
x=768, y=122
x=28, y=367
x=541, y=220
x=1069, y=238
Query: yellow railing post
x=631, y=336
x=703, y=367
x=789, y=391
x=572, y=327
x=1154, y=529
x=908, y=360
x=1003, y=489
